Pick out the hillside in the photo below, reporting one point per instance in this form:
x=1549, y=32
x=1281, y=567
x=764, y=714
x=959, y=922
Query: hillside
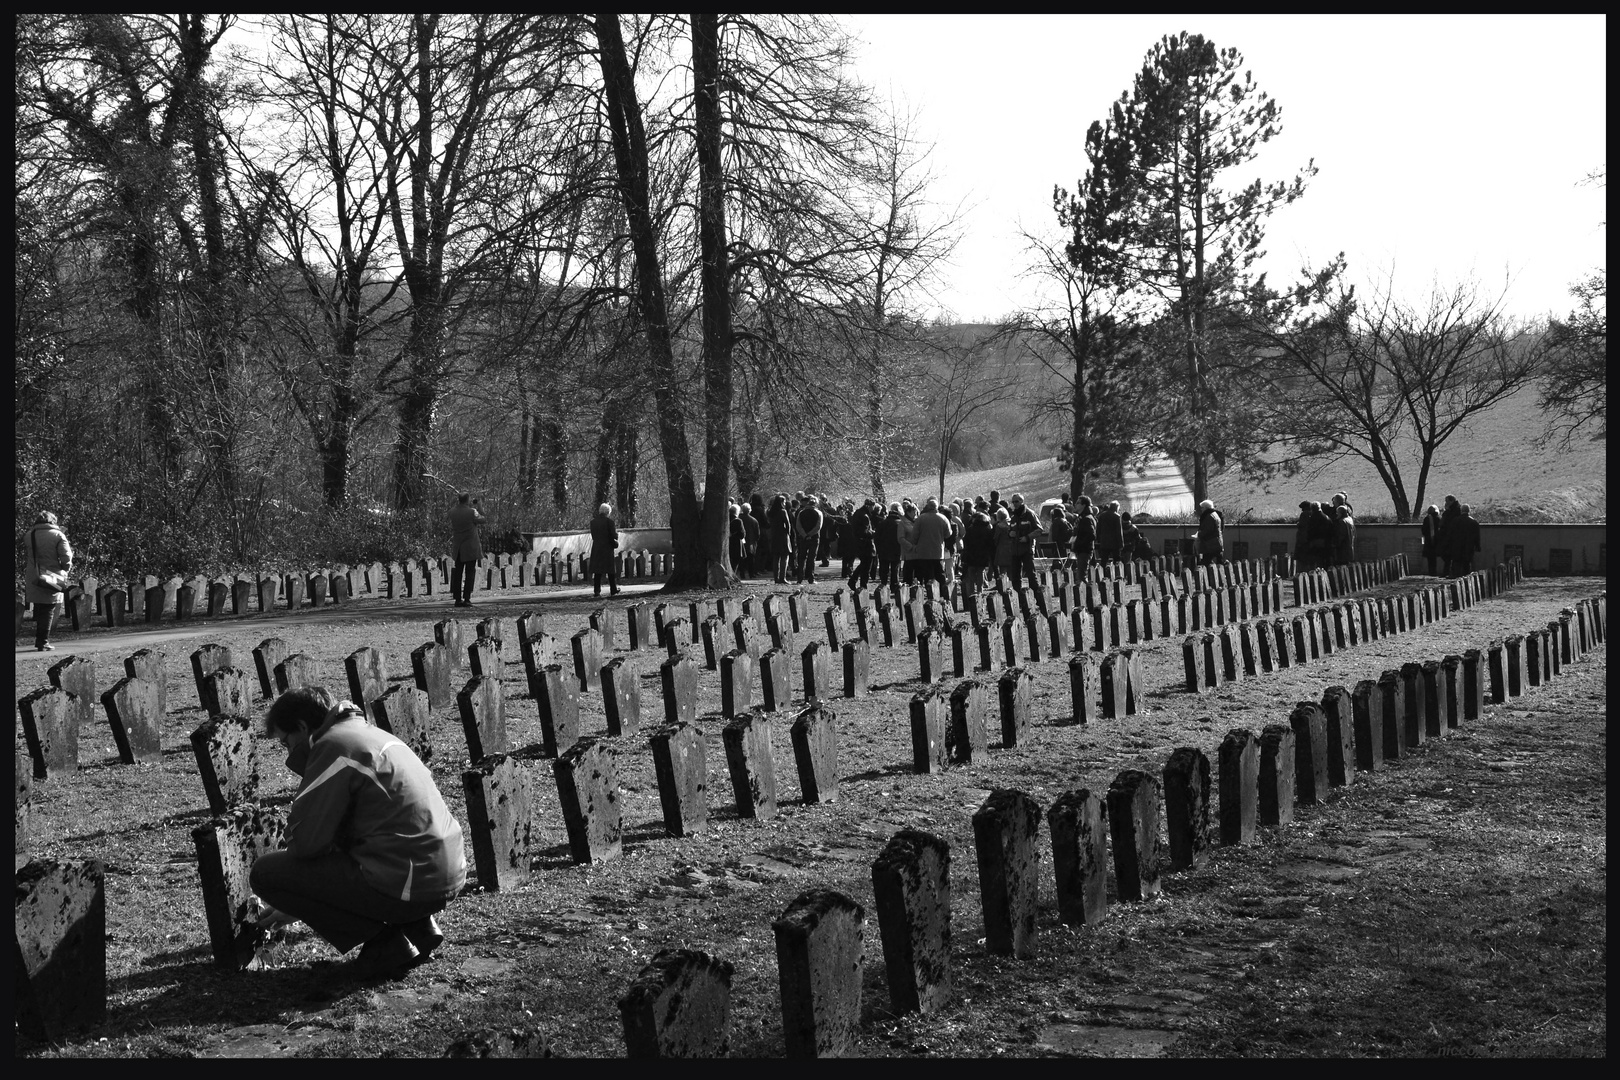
x=1492, y=464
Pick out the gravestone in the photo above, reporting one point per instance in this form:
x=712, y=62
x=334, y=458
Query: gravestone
x=483, y=717
x=736, y=684
x=966, y=740
x=267, y=656
x=1310, y=753
x=136, y=720
x=1005, y=833
x=406, y=712
x=1415, y=704
x=1239, y=765
x=505, y=828
x=621, y=696
x=775, y=680
x=60, y=950
x=452, y=635
x=587, y=651
x=751, y=762
x=818, y=959
x=1435, y=706
x=817, y=680
x=267, y=595
x=746, y=638
x=929, y=720
x=1339, y=713
x=297, y=670
x=1133, y=824
x=1277, y=772
x=857, y=668
x=1015, y=690
x=430, y=668
x=911, y=888
x=558, y=705
x=1115, y=681
x=50, y=718
x=713, y=635
x=1186, y=807
x=815, y=753
x=638, y=622
x=486, y=658
x=229, y=693
x=1085, y=688
x=1079, y=828
x=227, y=848
x=1473, y=685
x=603, y=626
x=676, y=637
x=682, y=771
x=1393, y=697
x=678, y=1007
x=931, y=655
x=77, y=676
x=588, y=787
x=204, y=662
x=368, y=679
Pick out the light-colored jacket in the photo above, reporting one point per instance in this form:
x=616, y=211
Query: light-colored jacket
x=45, y=547
x=929, y=535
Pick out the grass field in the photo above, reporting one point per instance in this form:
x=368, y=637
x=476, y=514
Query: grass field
x=1452, y=903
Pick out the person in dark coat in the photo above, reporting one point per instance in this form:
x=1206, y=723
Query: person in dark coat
x=1467, y=545
x=863, y=526
x=750, y=526
x=1008, y=546
x=1302, y=537
x=1431, y=538
x=978, y=552
x=779, y=537
x=465, y=549
x=1085, y=534
x=604, y=545
x=1450, y=546
x=1131, y=539
x=1211, y=541
x=1062, y=532
x=1026, y=527
x=738, y=539
x=1320, y=538
x=1110, y=534
x=807, y=540
x=889, y=531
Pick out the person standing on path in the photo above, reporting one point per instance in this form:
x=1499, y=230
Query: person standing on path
x=604, y=549
x=807, y=541
x=47, y=562
x=1431, y=537
x=1026, y=529
x=1211, y=541
x=779, y=530
x=465, y=549
x=930, y=534
x=1110, y=534
x=1085, y=535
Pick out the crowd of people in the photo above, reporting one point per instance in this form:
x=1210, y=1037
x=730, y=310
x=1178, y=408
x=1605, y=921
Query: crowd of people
x=1450, y=538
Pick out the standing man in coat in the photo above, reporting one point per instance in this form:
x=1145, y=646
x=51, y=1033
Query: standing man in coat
x=1085, y=535
x=807, y=540
x=863, y=526
x=465, y=550
x=604, y=546
x=1110, y=534
x=1431, y=537
x=1467, y=542
x=930, y=534
x=1211, y=541
x=1026, y=528
x=45, y=551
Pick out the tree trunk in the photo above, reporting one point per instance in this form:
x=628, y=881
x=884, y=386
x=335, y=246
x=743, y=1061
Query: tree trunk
x=630, y=159
x=716, y=277
x=556, y=458
x=874, y=425
x=1200, y=484
x=628, y=464
x=413, y=451
x=605, y=446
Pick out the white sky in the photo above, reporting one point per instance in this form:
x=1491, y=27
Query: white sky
x=1448, y=147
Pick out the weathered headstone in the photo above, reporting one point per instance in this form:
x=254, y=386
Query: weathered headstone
x=857, y=667
x=136, y=720
x=431, y=668
x=680, y=764
x=50, y=717
x=776, y=680
x=505, y=830
x=406, y=712
x=736, y=684
x=1015, y=690
x=1239, y=763
x=1415, y=702
x=817, y=679
x=815, y=752
x=229, y=692
x=818, y=958
x=297, y=670
x=558, y=705
x=678, y=1007
x=929, y=720
x=1085, y=688
x=60, y=951
x=586, y=646
x=227, y=848
x=1310, y=753
x=1005, y=833
x=1392, y=694
x=912, y=892
x=1133, y=825
x=483, y=717
x=967, y=739
x=751, y=762
x=1435, y=705
x=267, y=656
x=621, y=696
x=1186, y=807
x=77, y=675
x=588, y=787
x=204, y=661
x=1079, y=827
x=1473, y=685
x=368, y=679
x=1339, y=713
x=1277, y=772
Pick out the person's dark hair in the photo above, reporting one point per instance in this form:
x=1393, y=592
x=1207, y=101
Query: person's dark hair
x=464, y=497
x=300, y=709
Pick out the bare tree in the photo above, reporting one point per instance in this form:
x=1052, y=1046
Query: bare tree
x=1385, y=380
x=1574, y=389
x=965, y=378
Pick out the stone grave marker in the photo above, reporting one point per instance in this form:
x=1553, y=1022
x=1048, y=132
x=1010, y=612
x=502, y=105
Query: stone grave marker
x=1367, y=721
x=736, y=684
x=638, y=622
x=912, y=893
x=406, y=712
x=1133, y=821
x=1015, y=690
x=931, y=655
x=1239, y=766
x=50, y=718
x=136, y=720
x=1077, y=822
x=714, y=642
x=818, y=957
x=505, y=827
x=751, y=762
x=267, y=656
x=267, y=595
x=857, y=668
x=229, y=693
x=486, y=659
x=621, y=696
x=587, y=651
x=1339, y=713
x=678, y=1007
x=603, y=625
x=1310, y=753
x=1005, y=833
x=817, y=679
x=1277, y=771
x=682, y=771
x=678, y=679
x=1186, y=807
x=227, y=848
x=588, y=787
x=929, y=720
x=431, y=668
x=298, y=669
x=1415, y=705
x=368, y=679
x=967, y=740
x=451, y=634
x=60, y=950
x=483, y=717
x=1393, y=697
x=814, y=734
x=1085, y=688
x=77, y=676
x=204, y=661
x=1435, y=706
x=228, y=761
x=776, y=680
x=1473, y=685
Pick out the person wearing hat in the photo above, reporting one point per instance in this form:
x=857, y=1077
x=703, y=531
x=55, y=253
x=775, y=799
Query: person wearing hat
x=1344, y=536
x=1450, y=545
x=47, y=562
x=1211, y=542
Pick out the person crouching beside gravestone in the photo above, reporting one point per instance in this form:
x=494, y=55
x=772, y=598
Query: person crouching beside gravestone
x=47, y=562
x=604, y=545
x=465, y=517
x=372, y=852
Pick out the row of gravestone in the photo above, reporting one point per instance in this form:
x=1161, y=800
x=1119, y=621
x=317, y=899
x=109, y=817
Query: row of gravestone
x=1258, y=647
x=1327, y=583
x=677, y=1007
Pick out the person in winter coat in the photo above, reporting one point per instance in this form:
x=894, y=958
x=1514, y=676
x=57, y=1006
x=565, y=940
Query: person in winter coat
x=1467, y=545
x=1007, y=544
x=889, y=545
x=929, y=536
x=1027, y=528
x=807, y=539
x=46, y=551
x=1302, y=536
x=1431, y=538
x=1450, y=546
x=908, y=529
x=1211, y=542
x=1132, y=539
x=846, y=539
x=1322, y=534
x=604, y=548
x=953, y=546
x=750, y=526
x=1061, y=530
x=465, y=549
x=779, y=533
x=1344, y=537
x=1110, y=534
x=1085, y=534
x=372, y=853
x=737, y=538
x=978, y=551
x=863, y=526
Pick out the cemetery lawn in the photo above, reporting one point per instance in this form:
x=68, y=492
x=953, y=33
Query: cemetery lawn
x=1452, y=903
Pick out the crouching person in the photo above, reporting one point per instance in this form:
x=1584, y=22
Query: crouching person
x=372, y=851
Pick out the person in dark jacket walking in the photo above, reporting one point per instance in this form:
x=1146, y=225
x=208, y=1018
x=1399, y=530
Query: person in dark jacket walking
x=1211, y=541
x=863, y=526
x=604, y=549
x=888, y=548
x=1085, y=535
x=465, y=549
x=1431, y=538
x=1110, y=534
